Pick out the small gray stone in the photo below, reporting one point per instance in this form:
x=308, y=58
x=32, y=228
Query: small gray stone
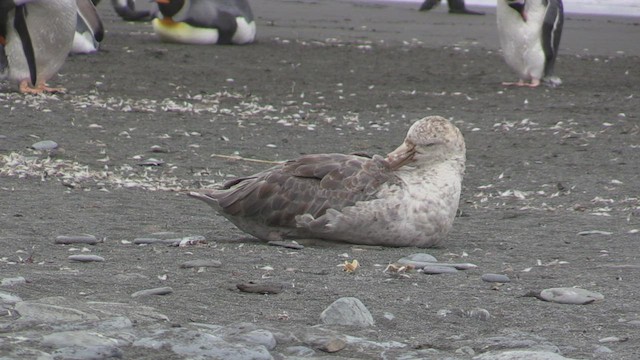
x=77, y=338
x=13, y=281
x=520, y=355
x=86, y=258
x=151, y=162
x=465, y=350
x=47, y=313
x=347, y=311
x=326, y=343
x=200, y=263
x=417, y=260
x=602, y=350
x=8, y=298
x=88, y=352
x=76, y=239
x=575, y=296
x=437, y=269
x=199, y=345
x=156, y=291
x=45, y=145
x=610, y=339
x=495, y=278
x=257, y=337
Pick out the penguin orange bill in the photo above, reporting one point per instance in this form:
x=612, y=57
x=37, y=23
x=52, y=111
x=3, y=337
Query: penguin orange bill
x=163, y=1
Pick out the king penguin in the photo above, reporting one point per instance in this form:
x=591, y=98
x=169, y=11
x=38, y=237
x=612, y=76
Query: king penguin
x=205, y=21
x=529, y=32
x=36, y=37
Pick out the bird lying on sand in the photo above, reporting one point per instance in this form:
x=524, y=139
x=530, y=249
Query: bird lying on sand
x=407, y=198
x=530, y=33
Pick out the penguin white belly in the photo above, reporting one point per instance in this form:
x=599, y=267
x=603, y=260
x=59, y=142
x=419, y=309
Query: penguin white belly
x=51, y=27
x=180, y=32
x=522, y=47
x=245, y=33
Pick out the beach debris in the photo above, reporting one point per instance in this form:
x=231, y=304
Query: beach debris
x=350, y=266
x=399, y=270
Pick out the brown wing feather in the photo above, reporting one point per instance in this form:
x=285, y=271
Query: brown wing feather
x=310, y=184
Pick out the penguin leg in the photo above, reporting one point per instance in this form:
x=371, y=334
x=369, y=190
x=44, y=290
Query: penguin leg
x=458, y=7
x=25, y=88
x=428, y=5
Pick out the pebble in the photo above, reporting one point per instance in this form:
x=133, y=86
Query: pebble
x=170, y=239
x=567, y=295
x=420, y=260
x=151, y=162
x=8, y=298
x=496, y=278
x=45, y=145
x=437, y=269
x=76, y=239
x=347, y=311
x=261, y=287
x=13, y=281
x=610, y=339
x=328, y=344
x=520, y=355
x=156, y=291
x=86, y=258
x=198, y=263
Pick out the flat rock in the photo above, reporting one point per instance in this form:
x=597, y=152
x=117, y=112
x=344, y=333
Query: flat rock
x=196, y=344
x=347, y=311
x=520, y=355
x=165, y=290
x=495, y=278
x=568, y=295
x=76, y=239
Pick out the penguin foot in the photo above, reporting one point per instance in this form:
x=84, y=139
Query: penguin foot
x=25, y=88
x=520, y=83
x=465, y=11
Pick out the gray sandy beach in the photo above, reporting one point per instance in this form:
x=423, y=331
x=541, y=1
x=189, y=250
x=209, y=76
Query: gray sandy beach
x=550, y=195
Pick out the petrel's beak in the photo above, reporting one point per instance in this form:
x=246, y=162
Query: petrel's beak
x=402, y=155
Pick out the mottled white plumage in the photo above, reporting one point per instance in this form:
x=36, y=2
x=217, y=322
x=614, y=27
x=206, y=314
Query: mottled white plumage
x=51, y=27
x=529, y=32
x=408, y=198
